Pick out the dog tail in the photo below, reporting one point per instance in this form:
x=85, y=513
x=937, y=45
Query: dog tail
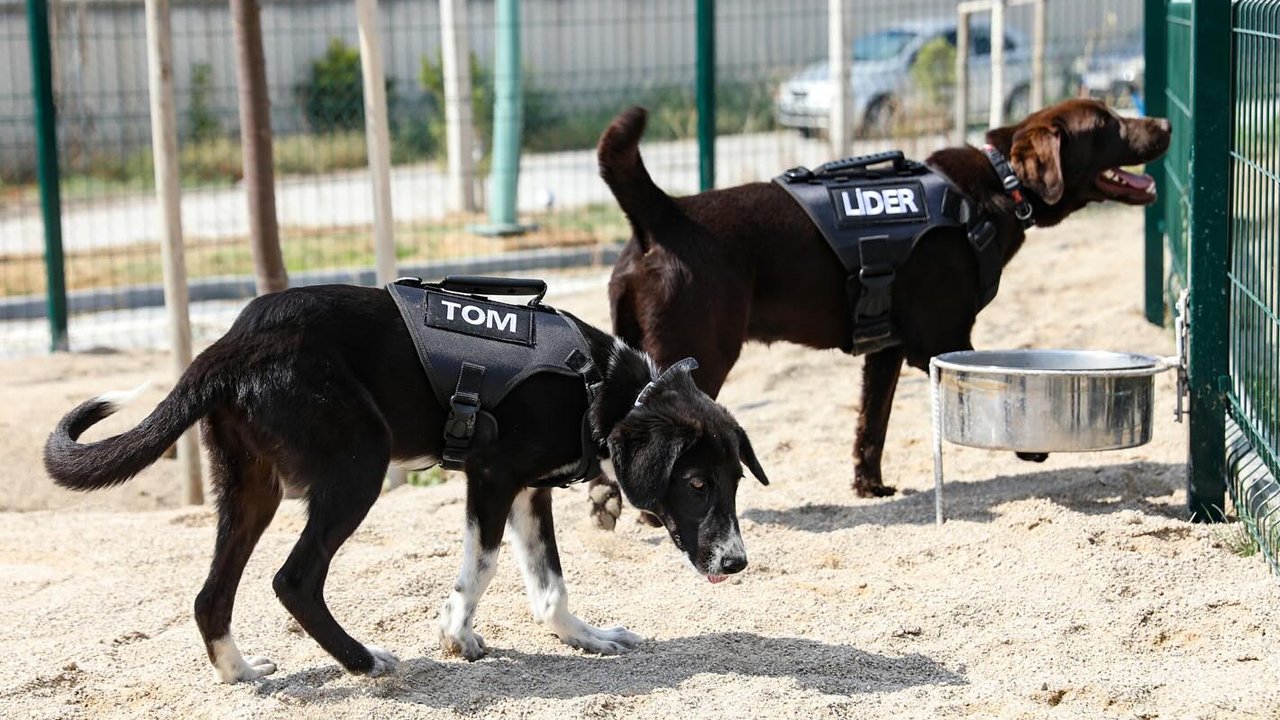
x=645, y=204
x=115, y=460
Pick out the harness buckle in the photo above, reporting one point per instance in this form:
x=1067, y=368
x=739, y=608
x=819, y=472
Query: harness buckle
x=463, y=408
x=982, y=236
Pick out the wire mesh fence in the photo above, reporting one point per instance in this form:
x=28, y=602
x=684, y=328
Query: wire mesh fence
x=583, y=60
x=1254, y=278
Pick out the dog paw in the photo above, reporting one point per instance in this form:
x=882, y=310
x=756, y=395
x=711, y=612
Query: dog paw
x=251, y=668
x=603, y=641
x=1033, y=457
x=606, y=504
x=870, y=490
x=470, y=645
x=384, y=662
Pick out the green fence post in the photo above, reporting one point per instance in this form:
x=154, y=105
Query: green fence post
x=1211, y=80
x=1155, y=104
x=507, y=121
x=706, y=82
x=47, y=170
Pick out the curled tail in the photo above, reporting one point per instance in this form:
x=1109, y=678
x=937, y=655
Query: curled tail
x=114, y=460
x=618, y=152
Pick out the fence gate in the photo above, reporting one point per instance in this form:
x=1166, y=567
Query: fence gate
x=1214, y=71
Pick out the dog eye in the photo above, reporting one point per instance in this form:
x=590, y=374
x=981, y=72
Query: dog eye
x=697, y=483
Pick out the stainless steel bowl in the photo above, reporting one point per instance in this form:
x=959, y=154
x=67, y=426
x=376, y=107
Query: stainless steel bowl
x=1043, y=401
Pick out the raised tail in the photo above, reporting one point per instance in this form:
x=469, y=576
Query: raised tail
x=618, y=152
x=114, y=460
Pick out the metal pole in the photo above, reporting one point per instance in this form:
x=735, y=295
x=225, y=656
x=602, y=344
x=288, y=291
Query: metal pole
x=377, y=138
x=706, y=91
x=840, y=56
x=164, y=150
x=456, y=66
x=1038, y=33
x=996, y=116
x=507, y=122
x=47, y=170
x=1209, y=256
x=961, y=107
x=935, y=398
x=255, y=139
x=1155, y=42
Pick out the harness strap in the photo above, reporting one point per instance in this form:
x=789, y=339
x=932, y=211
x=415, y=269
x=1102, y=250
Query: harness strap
x=460, y=427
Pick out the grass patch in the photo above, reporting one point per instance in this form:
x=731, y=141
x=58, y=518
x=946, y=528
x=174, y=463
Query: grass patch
x=1237, y=539
x=308, y=249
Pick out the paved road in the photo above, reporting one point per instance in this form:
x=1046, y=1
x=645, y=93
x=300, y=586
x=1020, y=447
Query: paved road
x=419, y=192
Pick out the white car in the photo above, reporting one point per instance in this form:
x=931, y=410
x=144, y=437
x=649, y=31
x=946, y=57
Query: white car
x=880, y=77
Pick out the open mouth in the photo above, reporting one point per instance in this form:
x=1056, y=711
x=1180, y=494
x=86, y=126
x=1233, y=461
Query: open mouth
x=717, y=579
x=1127, y=187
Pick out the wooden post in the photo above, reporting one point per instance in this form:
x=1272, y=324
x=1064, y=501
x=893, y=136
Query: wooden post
x=961, y=105
x=840, y=56
x=164, y=147
x=378, y=138
x=255, y=140
x=459, y=133
x=996, y=118
x=1038, y=32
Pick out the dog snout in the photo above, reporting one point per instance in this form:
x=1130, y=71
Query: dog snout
x=733, y=564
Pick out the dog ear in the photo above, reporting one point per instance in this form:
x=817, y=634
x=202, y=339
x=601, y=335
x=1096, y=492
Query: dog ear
x=1035, y=156
x=643, y=459
x=747, y=455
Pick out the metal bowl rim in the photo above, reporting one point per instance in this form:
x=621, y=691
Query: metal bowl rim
x=1150, y=364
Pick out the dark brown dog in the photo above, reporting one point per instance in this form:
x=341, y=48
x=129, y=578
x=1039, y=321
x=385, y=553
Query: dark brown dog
x=703, y=274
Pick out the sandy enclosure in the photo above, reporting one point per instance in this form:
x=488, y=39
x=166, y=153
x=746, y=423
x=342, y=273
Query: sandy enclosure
x=1067, y=589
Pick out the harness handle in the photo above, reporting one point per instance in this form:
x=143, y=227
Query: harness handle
x=484, y=285
x=862, y=162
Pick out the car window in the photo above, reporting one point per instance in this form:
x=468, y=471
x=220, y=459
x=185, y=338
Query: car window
x=979, y=41
x=881, y=45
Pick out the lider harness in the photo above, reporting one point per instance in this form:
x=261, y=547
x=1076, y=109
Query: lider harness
x=476, y=351
x=872, y=217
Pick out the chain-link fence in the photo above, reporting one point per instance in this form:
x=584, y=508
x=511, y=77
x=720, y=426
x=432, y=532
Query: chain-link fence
x=583, y=60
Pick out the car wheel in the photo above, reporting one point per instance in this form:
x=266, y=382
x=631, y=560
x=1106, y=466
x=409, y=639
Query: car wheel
x=1019, y=104
x=880, y=117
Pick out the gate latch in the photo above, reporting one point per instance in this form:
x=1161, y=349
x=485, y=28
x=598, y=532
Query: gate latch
x=1181, y=329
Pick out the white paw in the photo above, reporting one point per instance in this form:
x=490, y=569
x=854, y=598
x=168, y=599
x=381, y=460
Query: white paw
x=601, y=641
x=384, y=662
x=231, y=667
x=252, y=668
x=468, y=644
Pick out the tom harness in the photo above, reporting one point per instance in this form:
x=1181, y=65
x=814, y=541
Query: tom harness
x=476, y=351
x=873, y=209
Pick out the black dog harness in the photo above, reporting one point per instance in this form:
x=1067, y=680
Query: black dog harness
x=872, y=218
x=475, y=351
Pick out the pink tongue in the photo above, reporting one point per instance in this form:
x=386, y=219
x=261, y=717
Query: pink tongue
x=1140, y=182
x=716, y=579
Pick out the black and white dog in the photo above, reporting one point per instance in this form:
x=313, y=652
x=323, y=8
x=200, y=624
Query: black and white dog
x=321, y=387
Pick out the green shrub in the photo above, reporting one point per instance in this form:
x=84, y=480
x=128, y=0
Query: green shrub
x=202, y=123
x=934, y=71
x=332, y=98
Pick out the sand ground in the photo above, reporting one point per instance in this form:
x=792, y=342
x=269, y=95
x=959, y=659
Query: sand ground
x=1067, y=589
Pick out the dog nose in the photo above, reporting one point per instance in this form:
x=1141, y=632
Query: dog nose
x=733, y=564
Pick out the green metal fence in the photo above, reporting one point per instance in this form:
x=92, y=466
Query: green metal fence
x=1219, y=217
x=1253, y=398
